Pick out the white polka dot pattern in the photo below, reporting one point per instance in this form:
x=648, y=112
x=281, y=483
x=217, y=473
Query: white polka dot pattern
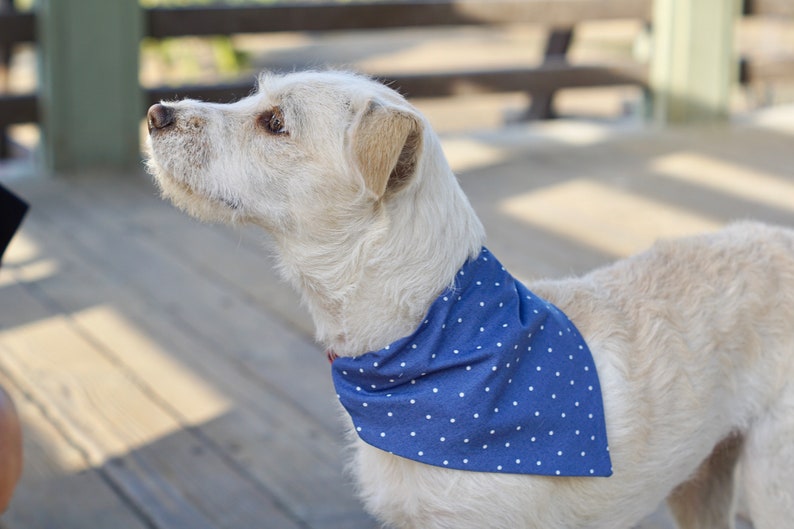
x=495, y=379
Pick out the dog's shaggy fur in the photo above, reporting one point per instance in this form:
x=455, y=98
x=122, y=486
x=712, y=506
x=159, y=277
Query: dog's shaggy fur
x=693, y=339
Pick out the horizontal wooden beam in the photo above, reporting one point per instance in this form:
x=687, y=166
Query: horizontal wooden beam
x=783, y=8
x=173, y=22
x=760, y=70
x=17, y=27
x=18, y=109
x=547, y=77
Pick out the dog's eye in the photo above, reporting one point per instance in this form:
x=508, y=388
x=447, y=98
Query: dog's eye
x=272, y=121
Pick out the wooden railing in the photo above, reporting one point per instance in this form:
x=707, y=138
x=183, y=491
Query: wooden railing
x=553, y=75
x=782, y=8
x=381, y=15
x=15, y=28
x=773, y=68
x=542, y=81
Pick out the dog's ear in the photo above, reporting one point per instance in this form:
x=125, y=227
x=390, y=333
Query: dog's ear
x=386, y=143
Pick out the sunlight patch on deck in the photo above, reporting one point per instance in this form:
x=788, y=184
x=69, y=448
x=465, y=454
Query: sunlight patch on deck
x=494, y=147
x=151, y=362
x=610, y=220
x=23, y=262
x=21, y=250
x=109, y=405
x=778, y=118
x=465, y=154
x=30, y=272
x=575, y=132
x=732, y=179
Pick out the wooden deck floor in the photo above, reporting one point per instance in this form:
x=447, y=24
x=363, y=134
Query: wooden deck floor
x=168, y=380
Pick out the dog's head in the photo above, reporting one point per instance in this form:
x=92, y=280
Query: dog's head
x=307, y=145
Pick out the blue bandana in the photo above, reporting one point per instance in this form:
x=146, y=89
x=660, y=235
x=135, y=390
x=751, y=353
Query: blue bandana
x=495, y=379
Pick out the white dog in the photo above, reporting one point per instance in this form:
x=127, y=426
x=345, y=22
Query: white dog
x=692, y=341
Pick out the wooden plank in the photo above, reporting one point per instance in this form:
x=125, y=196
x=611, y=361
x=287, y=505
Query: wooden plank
x=54, y=465
x=782, y=8
x=766, y=70
x=130, y=255
x=281, y=449
x=550, y=76
x=17, y=27
x=240, y=260
x=557, y=44
x=168, y=472
x=171, y=22
x=18, y=109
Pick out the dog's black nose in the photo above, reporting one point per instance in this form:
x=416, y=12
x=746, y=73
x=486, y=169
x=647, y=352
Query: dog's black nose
x=159, y=117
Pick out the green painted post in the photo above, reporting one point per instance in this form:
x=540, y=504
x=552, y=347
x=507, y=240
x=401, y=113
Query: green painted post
x=90, y=97
x=694, y=65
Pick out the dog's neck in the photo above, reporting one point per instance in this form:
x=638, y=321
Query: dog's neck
x=374, y=285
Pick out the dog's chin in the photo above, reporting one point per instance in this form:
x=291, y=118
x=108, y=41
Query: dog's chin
x=196, y=203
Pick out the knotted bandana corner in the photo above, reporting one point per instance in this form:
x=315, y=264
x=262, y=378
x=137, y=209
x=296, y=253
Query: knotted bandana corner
x=495, y=379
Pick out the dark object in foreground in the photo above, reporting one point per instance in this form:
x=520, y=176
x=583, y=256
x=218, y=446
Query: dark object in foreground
x=12, y=211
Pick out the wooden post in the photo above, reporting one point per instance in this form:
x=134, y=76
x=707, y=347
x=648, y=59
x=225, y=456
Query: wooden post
x=694, y=66
x=91, y=102
x=557, y=44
